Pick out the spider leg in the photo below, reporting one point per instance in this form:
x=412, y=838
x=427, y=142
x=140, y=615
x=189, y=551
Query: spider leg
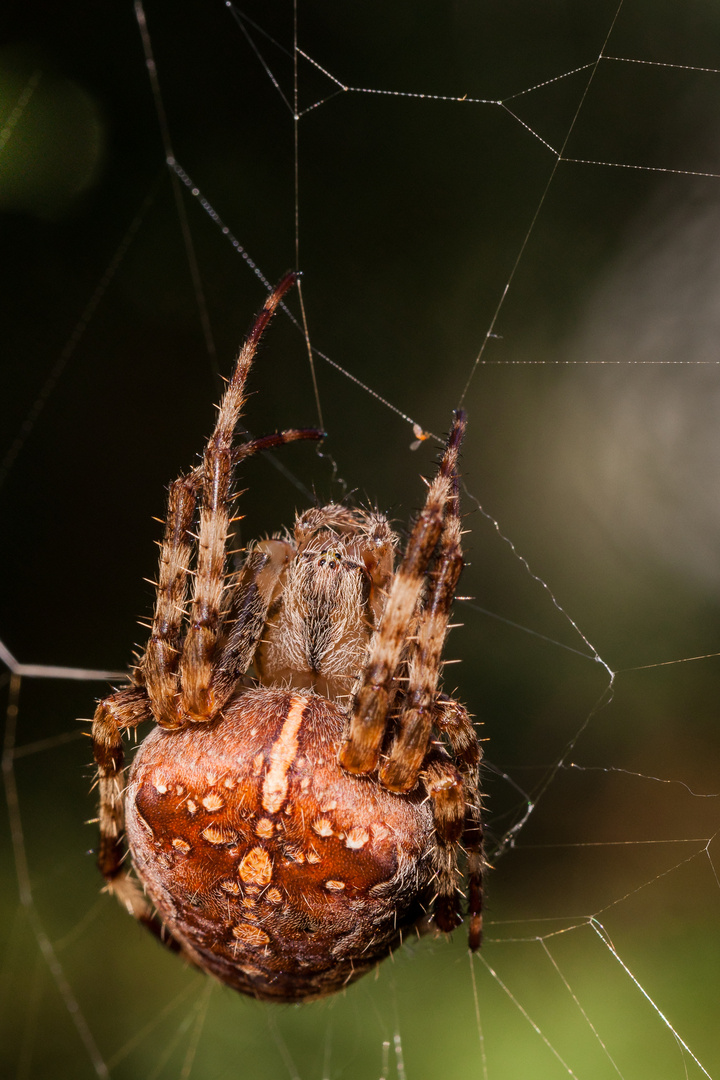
x=196, y=665
x=270, y=442
x=453, y=720
x=373, y=697
x=251, y=599
x=123, y=710
x=424, y=709
x=445, y=787
x=159, y=665
x=399, y=771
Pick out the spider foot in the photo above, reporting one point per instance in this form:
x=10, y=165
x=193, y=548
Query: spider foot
x=447, y=914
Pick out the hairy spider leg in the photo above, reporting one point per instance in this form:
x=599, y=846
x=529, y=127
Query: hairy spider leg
x=452, y=719
x=159, y=665
x=196, y=664
x=374, y=695
x=446, y=790
x=158, y=668
x=253, y=590
x=456, y=812
x=124, y=710
x=247, y=615
x=399, y=771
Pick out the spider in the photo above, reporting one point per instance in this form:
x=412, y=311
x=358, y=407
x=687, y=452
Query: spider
x=291, y=816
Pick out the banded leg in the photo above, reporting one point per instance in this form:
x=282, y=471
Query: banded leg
x=196, y=665
x=399, y=772
x=123, y=710
x=159, y=667
x=445, y=788
x=373, y=698
x=246, y=618
x=254, y=590
x=454, y=721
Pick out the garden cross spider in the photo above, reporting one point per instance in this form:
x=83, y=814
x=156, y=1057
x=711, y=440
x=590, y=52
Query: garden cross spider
x=291, y=816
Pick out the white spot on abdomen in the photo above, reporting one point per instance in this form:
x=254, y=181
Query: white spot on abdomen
x=282, y=755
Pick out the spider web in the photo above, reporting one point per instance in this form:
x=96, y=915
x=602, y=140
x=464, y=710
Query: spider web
x=515, y=209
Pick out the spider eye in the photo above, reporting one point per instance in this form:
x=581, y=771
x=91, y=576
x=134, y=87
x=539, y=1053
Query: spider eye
x=330, y=558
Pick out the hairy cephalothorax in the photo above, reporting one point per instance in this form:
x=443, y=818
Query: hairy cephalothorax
x=305, y=795
x=327, y=602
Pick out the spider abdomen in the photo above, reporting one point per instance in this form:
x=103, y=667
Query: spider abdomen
x=275, y=870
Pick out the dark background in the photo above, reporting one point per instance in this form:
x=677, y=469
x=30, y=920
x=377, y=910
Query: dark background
x=593, y=441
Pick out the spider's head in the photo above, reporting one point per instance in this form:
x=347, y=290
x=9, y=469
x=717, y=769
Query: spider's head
x=328, y=600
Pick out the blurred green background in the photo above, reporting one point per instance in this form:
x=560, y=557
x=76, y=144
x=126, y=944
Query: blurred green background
x=594, y=443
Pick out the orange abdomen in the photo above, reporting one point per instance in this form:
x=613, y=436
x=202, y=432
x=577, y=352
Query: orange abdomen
x=277, y=872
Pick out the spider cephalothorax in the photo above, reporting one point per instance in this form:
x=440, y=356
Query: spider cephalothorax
x=302, y=801
x=327, y=601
